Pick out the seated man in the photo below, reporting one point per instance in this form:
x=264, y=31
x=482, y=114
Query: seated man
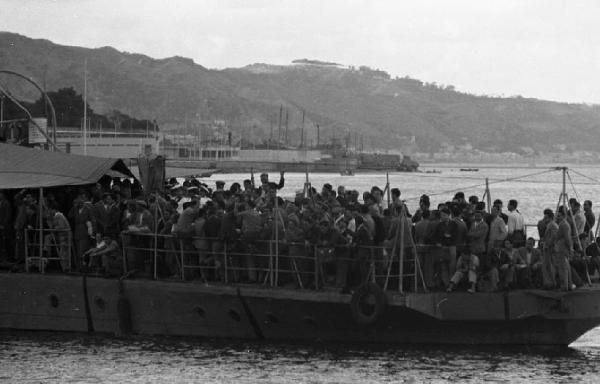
x=466, y=268
x=109, y=255
x=592, y=251
x=510, y=261
x=530, y=274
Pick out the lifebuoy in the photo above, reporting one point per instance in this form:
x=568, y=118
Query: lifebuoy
x=368, y=304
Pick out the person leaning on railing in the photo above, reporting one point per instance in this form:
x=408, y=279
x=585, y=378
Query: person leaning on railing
x=59, y=236
x=82, y=217
x=139, y=223
x=251, y=227
x=444, y=237
x=5, y=227
x=106, y=257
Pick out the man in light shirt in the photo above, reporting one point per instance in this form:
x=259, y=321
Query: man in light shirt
x=498, y=232
x=515, y=225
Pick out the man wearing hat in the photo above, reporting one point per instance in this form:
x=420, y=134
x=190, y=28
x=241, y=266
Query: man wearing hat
x=445, y=237
x=140, y=220
x=108, y=254
x=107, y=216
x=217, y=195
x=264, y=180
x=203, y=195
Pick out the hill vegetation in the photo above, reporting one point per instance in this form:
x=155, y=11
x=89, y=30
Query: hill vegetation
x=345, y=102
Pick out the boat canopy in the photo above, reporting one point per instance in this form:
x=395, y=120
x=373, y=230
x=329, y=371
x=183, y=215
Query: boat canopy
x=22, y=167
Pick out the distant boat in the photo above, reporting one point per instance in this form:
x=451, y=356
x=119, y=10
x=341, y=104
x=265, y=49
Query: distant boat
x=347, y=172
x=433, y=171
x=469, y=169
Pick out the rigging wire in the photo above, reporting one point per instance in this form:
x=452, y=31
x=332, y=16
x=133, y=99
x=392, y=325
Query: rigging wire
x=573, y=186
x=495, y=180
x=594, y=182
x=586, y=176
x=489, y=183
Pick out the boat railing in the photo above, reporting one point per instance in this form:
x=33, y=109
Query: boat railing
x=301, y=264
x=45, y=245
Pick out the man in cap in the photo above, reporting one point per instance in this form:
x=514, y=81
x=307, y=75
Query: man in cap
x=140, y=220
x=264, y=181
x=445, y=237
x=108, y=254
x=107, y=216
x=466, y=268
x=563, y=249
x=82, y=217
x=5, y=226
x=60, y=235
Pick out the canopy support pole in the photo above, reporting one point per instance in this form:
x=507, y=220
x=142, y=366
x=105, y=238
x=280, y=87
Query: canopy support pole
x=41, y=229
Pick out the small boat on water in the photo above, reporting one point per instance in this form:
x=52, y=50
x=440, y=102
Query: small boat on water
x=469, y=169
x=347, y=172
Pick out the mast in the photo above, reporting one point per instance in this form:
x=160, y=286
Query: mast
x=318, y=135
x=85, y=107
x=271, y=135
x=302, y=132
x=279, y=128
x=286, y=126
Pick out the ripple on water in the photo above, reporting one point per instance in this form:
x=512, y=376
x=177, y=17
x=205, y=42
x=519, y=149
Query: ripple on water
x=59, y=358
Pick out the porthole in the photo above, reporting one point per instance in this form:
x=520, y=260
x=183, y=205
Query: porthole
x=271, y=318
x=200, y=311
x=53, y=300
x=309, y=321
x=234, y=315
x=100, y=303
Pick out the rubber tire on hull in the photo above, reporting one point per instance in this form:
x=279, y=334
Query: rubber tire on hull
x=377, y=305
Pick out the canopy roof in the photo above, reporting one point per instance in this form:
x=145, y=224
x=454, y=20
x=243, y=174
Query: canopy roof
x=22, y=167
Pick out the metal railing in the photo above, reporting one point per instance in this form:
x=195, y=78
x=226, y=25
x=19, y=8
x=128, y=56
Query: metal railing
x=45, y=245
x=270, y=262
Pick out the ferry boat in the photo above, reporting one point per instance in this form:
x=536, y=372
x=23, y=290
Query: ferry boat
x=380, y=311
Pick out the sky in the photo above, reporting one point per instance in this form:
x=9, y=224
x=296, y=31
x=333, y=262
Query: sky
x=547, y=49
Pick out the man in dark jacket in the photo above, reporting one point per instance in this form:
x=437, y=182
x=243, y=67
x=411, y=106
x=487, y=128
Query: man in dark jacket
x=445, y=237
x=5, y=226
x=107, y=216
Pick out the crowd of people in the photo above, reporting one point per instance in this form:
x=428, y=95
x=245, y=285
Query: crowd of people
x=328, y=237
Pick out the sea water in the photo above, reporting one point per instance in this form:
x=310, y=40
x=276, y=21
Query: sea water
x=31, y=357
x=78, y=358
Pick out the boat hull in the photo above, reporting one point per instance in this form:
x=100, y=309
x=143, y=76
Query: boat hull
x=72, y=303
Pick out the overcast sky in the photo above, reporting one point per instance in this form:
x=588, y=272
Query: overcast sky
x=547, y=49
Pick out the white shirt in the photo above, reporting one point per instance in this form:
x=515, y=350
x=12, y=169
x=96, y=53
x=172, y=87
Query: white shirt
x=515, y=222
x=181, y=202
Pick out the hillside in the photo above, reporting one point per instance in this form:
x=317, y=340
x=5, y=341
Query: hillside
x=342, y=101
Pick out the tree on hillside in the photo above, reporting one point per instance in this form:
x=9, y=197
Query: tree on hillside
x=68, y=106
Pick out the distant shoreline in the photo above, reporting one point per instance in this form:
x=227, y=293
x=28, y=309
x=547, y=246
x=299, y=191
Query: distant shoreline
x=503, y=165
